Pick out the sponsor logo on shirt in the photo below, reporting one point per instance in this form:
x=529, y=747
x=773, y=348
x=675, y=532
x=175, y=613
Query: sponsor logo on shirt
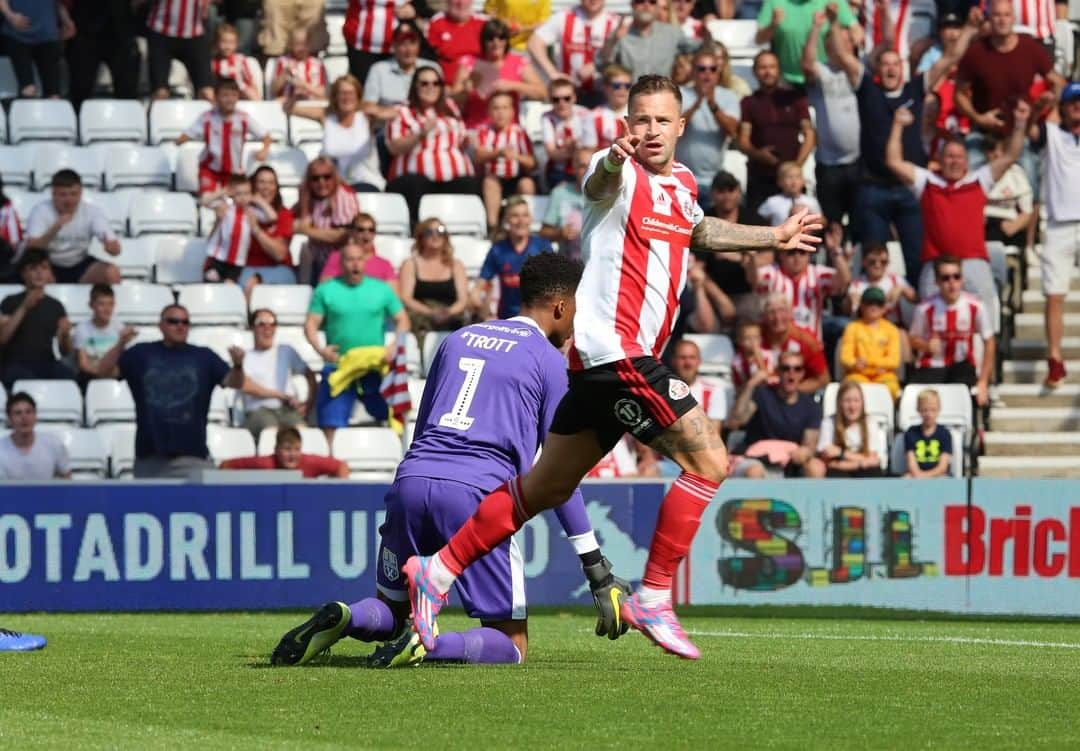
x=390, y=565
x=660, y=225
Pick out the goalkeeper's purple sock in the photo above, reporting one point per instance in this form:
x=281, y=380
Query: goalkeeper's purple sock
x=371, y=620
x=478, y=645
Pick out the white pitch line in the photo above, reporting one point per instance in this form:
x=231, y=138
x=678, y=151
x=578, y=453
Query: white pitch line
x=887, y=637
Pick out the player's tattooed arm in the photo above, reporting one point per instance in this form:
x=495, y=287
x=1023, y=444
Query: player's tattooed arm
x=718, y=235
x=691, y=432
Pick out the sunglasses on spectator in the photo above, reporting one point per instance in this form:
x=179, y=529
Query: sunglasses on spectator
x=567, y=98
x=644, y=2
x=425, y=83
x=791, y=368
x=706, y=68
x=320, y=176
x=950, y=277
x=877, y=261
x=617, y=85
x=366, y=228
x=265, y=322
x=439, y=231
x=177, y=321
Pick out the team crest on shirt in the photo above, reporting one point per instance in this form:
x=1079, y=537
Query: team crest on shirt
x=677, y=389
x=390, y=567
x=628, y=412
x=686, y=203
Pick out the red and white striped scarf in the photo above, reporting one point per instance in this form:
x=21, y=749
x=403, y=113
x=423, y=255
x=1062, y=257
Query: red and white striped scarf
x=395, y=385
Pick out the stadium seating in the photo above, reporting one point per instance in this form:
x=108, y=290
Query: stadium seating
x=336, y=67
x=537, y=206
x=50, y=158
x=74, y=297
x=186, y=167
x=294, y=336
x=220, y=338
x=735, y=162
x=57, y=401
x=269, y=115
x=737, y=35
x=221, y=405
x=304, y=130
x=136, y=259
x=717, y=353
x=393, y=248
x=16, y=167
x=108, y=400
x=228, y=443
x=42, y=120
x=288, y=162
x=471, y=251
x=462, y=214
x=171, y=117
x=390, y=211
x=413, y=357
x=368, y=450
x=141, y=304
x=432, y=340
x=177, y=259
x=312, y=441
x=214, y=304
x=876, y=397
x=956, y=415
x=112, y=120
x=336, y=46
x=88, y=455
x=159, y=212
x=115, y=204
x=119, y=439
x=532, y=118
x=128, y=165
x=288, y=301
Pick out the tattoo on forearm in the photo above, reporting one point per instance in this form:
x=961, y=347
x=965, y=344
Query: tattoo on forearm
x=718, y=235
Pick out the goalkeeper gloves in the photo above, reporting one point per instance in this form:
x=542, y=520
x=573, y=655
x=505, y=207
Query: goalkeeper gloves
x=609, y=592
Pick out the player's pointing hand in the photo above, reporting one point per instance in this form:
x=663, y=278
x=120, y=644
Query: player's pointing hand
x=795, y=233
x=623, y=149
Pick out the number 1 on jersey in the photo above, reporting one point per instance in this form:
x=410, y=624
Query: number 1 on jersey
x=458, y=417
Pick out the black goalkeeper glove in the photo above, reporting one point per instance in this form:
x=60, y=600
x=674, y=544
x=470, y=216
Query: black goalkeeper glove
x=608, y=592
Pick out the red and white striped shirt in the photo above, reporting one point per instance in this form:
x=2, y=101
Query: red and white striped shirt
x=1034, y=17
x=900, y=10
x=369, y=25
x=579, y=127
x=742, y=367
x=619, y=462
x=886, y=284
x=637, y=250
x=231, y=238
x=577, y=39
x=693, y=29
x=807, y=293
x=11, y=230
x=310, y=71
x=235, y=66
x=711, y=396
x=440, y=155
x=224, y=138
x=182, y=19
x=514, y=137
x=608, y=126
x=955, y=325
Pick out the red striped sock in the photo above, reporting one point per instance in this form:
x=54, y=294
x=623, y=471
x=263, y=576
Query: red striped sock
x=499, y=515
x=676, y=525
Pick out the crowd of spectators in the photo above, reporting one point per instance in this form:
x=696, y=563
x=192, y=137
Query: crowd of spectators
x=925, y=127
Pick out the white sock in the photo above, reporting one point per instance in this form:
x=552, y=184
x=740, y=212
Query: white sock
x=649, y=596
x=440, y=575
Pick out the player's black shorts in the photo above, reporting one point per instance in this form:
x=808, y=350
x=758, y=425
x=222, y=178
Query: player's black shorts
x=640, y=396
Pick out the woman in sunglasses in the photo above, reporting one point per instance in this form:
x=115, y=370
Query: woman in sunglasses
x=427, y=142
x=434, y=285
x=496, y=70
x=326, y=210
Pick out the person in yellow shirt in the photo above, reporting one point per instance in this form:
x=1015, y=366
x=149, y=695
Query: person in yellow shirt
x=870, y=347
x=522, y=16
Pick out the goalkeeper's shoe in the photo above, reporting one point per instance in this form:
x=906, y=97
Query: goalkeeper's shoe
x=16, y=641
x=660, y=626
x=404, y=650
x=424, y=599
x=314, y=636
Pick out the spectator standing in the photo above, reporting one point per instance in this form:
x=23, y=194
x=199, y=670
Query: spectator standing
x=830, y=93
x=387, y=85
x=105, y=34
x=505, y=154
x=774, y=127
x=269, y=260
x=95, y=336
x=1009, y=206
x=644, y=44
x=171, y=383
x=63, y=227
x=299, y=74
x=943, y=333
x=496, y=71
x=228, y=63
x=362, y=233
x=786, y=24
x=712, y=117
x=576, y=36
x=505, y=260
x=32, y=32
x=427, y=141
x=28, y=455
x=609, y=118
x=565, y=210
x=454, y=34
x=288, y=455
x=1061, y=246
x=353, y=309
x=870, y=348
x=848, y=444
x=281, y=17
x=434, y=285
x=727, y=270
x=270, y=399
x=175, y=30
x=954, y=203
x=242, y=15
x=223, y=131
x=326, y=211
x=777, y=208
x=807, y=285
x=567, y=127
x=780, y=335
x=523, y=17
x=928, y=446
x=29, y=321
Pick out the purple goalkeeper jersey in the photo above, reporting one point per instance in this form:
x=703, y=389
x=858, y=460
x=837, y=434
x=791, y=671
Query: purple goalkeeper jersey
x=490, y=396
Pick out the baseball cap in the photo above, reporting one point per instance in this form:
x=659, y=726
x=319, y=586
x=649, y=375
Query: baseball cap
x=1071, y=92
x=951, y=19
x=406, y=30
x=872, y=295
x=724, y=181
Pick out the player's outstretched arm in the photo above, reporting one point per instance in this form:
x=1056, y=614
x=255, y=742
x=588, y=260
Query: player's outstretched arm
x=718, y=235
x=605, y=180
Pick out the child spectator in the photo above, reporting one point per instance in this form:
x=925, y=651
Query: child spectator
x=223, y=129
x=228, y=63
x=750, y=356
x=875, y=273
x=229, y=242
x=298, y=74
x=1009, y=205
x=504, y=151
x=789, y=178
x=567, y=128
x=94, y=337
x=870, y=347
x=845, y=443
x=288, y=455
x=505, y=259
x=928, y=447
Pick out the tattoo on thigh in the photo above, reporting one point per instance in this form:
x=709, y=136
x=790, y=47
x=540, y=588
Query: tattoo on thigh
x=687, y=435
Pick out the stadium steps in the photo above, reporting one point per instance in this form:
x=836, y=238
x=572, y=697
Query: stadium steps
x=1034, y=371
x=1035, y=349
x=1037, y=395
x=1047, y=444
x=1030, y=325
x=1034, y=301
x=1035, y=419
x=1030, y=467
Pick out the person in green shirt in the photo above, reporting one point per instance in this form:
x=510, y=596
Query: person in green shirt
x=786, y=24
x=353, y=310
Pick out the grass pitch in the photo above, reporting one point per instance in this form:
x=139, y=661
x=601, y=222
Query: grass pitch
x=203, y=681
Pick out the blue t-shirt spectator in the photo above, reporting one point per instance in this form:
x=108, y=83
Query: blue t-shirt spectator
x=505, y=263
x=171, y=387
x=776, y=420
x=927, y=448
x=44, y=21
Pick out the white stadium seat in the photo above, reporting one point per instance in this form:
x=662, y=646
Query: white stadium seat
x=171, y=117
x=288, y=301
x=269, y=115
x=312, y=441
x=9, y=85
x=876, y=398
x=112, y=120
x=116, y=206
x=136, y=260
x=119, y=440
x=141, y=304
x=214, y=304
x=221, y=402
x=24, y=201
x=471, y=251
x=228, y=443
x=461, y=213
x=136, y=166
x=220, y=338
x=735, y=162
x=304, y=130
x=74, y=297
x=108, y=400
x=336, y=46
x=432, y=340
x=393, y=248
x=42, y=120
x=532, y=118
x=185, y=166
x=956, y=415
x=57, y=401
x=178, y=259
x=737, y=35
x=88, y=455
x=368, y=450
x=336, y=67
x=717, y=353
x=537, y=207
x=51, y=158
x=289, y=163
x=16, y=166
x=294, y=336
x=390, y=211
x=160, y=212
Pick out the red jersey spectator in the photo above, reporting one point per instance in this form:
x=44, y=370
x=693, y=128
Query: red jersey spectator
x=505, y=152
x=228, y=63
x=454, y=34
x=269, y=261
x=288, y=455
x=577, y=34
x=567, y=127
x=369, y=31
x=807, y=285
x=298, y=74
x=780, y=335
x=1036, y=17
x=174, y=30
x=496, y=71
